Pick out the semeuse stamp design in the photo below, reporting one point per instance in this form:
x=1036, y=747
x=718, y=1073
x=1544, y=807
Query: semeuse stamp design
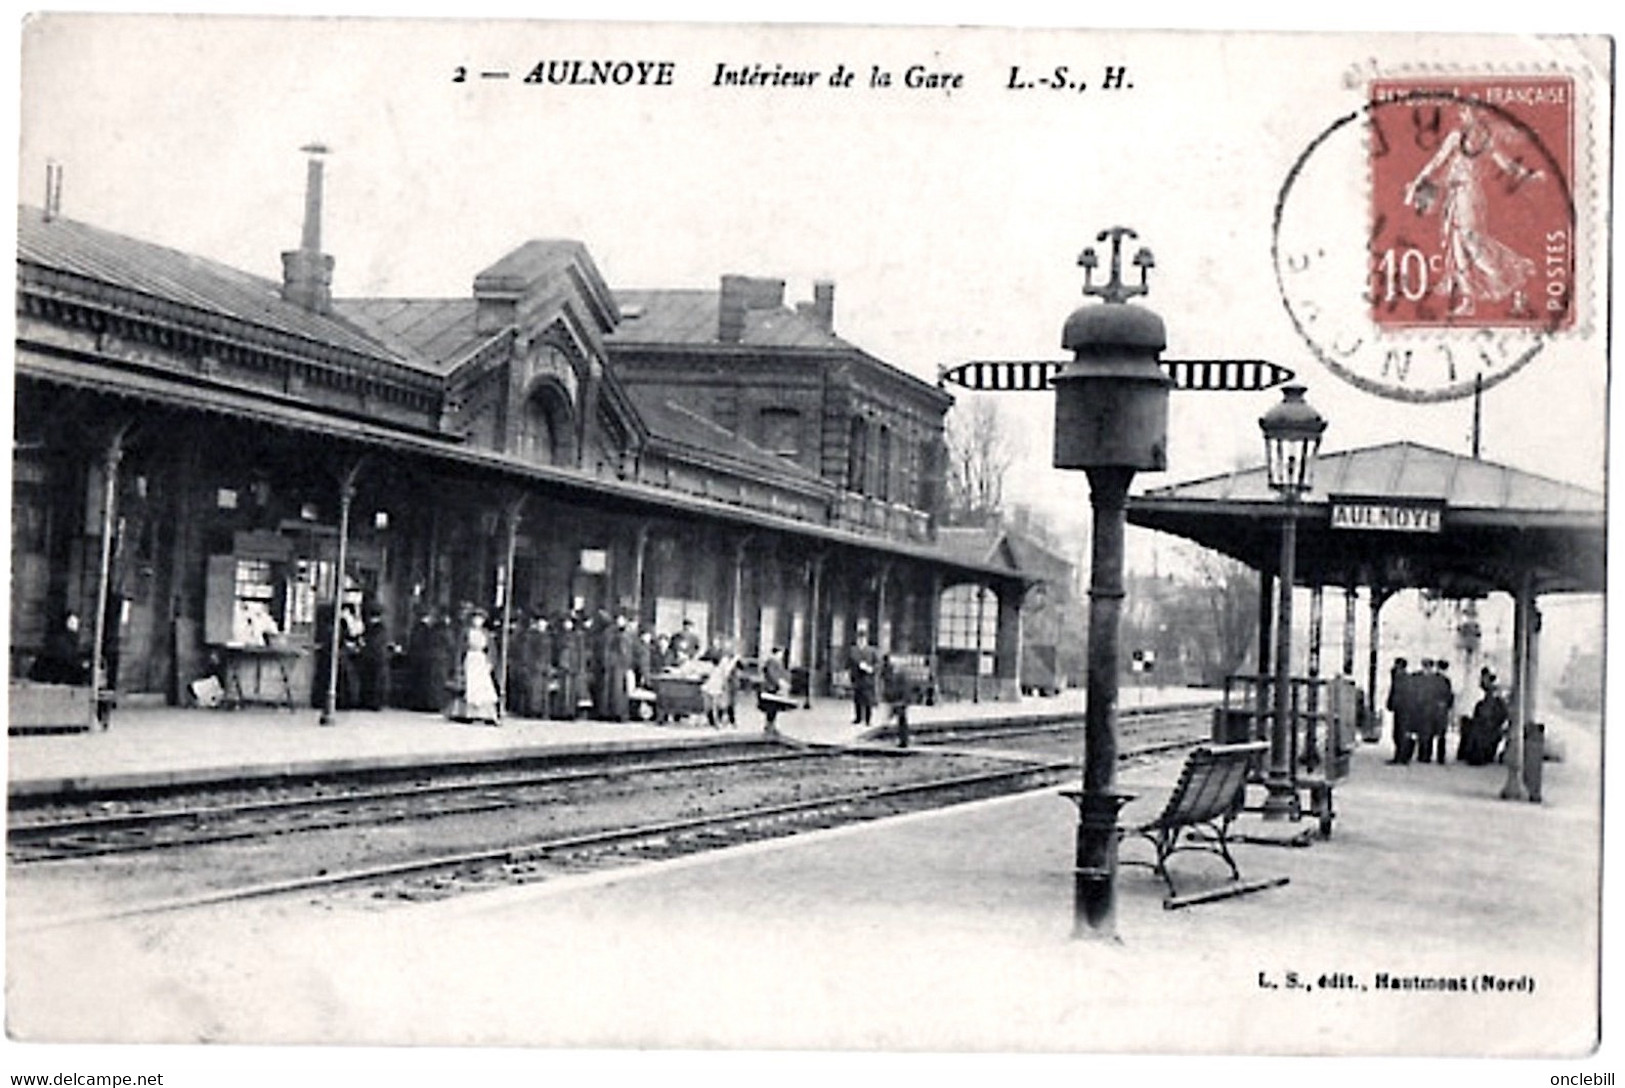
x=1471, y=224
x=1456, y=260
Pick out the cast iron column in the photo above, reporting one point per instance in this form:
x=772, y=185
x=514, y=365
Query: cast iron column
x=1282, y=801
x=346, y=497
x=113, y=456
x=1094, y=888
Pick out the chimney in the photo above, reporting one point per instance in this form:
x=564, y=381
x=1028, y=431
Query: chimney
x=822, y=307
x=307, y=272
x=53, y=189
x=741, y=294
x=731, y=310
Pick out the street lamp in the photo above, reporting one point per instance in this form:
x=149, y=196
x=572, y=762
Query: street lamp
x=1111, y=420
x=1292, y=431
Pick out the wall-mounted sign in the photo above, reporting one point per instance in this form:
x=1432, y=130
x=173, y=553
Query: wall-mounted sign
x=1386, y=516
x=594, y=560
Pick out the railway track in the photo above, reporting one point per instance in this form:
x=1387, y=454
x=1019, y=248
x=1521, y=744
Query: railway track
x=84, y=836
x=694, y=805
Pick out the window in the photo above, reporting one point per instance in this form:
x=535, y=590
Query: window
x=884, y=468
x=544, y=427
x=966, y=610
x=857, y=456
x=781, y=431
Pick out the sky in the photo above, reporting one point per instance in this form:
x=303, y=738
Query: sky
x=950, y=219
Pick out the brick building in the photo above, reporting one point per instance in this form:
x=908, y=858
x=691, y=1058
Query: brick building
x=544, y=443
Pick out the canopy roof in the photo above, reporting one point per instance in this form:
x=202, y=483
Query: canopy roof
x=1399, y=516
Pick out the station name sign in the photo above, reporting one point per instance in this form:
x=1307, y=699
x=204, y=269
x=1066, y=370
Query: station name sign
x=1386, y=515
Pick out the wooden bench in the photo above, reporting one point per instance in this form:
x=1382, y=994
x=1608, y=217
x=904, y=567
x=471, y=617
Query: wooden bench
x=1206, y=799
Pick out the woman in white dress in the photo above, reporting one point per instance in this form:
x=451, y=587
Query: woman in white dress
x=479, y=687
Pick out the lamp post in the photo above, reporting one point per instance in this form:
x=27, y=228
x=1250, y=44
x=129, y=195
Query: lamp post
x=1111, y=420
x=1292, y=431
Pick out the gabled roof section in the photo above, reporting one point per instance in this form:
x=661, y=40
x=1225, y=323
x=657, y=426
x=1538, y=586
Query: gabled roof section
x=1403, y=470
x=979, y=545
x=101, y=257
x=673, y=425
x=543, y=261
x=432, y=332
x=529, y=286
x=689, y=317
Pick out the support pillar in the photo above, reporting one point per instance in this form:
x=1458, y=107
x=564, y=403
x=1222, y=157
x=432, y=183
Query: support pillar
x=1350, y=598
x=511, y=517
x=1266, y=622
x=739, y=588
x=1282, y=801
x=815, y=577
x=112, y=458
x=1523, y=696
x=1095, y=876
x=346, y=498
x=1379, y=594
x=640, y=553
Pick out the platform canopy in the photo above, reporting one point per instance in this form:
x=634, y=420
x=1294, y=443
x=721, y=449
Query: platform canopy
x=1399, y=516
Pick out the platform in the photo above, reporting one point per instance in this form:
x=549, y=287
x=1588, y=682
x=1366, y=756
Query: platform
x=156, y=746
x=942, y=931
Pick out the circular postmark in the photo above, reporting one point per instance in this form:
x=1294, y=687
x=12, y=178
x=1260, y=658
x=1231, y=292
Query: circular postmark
x=1424, y=244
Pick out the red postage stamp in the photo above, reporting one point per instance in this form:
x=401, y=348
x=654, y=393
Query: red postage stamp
x=1472, y=207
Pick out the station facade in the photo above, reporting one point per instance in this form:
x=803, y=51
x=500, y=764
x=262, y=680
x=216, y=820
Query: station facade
x=192, y=442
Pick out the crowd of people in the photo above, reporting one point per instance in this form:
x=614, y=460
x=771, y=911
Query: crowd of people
x=568, y=666
x=1422, y=702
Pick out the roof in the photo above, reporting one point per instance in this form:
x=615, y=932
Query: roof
x=672, y=423
x=1497, y=524
x=985, y=545
x=1002, y=546
x=611, y=493
x=685, y=316
x=196, y=283
x=1404, y=470
x=433, y=332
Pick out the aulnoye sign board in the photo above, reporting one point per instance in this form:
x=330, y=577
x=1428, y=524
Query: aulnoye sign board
x=1386, y=515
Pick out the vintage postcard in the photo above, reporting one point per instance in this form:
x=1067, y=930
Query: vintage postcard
x=621, y=536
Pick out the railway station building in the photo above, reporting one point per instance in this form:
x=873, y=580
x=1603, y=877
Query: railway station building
x=195, y=445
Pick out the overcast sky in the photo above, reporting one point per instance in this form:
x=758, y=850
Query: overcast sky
x=949, y=219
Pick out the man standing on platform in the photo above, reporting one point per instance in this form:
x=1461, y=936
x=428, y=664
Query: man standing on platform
x=1426, y=695
x=863, y=667
x=1402, y=685
x=1445, y=708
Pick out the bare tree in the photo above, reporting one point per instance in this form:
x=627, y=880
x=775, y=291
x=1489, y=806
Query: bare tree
x=979, y=457
x=1230, y=592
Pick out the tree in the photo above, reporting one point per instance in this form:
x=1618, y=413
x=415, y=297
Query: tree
x=979, y=457
x=1230, y=591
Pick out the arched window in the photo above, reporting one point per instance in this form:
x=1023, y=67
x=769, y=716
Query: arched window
x=546, y=431
x=857, y=456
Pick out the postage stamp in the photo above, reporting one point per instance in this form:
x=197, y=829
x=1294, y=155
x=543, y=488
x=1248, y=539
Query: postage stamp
x=1430, y=243
x=1471, y=207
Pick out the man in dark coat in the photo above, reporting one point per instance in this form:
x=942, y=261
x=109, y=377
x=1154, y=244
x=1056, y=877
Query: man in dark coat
x=863, y=668
x=1402, y=703
x=534, y=651
x=618, y=650
x=1444, y=696
x=373, y=661
x=421, y=656
x=1482, y=734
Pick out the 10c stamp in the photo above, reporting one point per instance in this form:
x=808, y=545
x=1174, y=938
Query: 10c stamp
x=1425, y=244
